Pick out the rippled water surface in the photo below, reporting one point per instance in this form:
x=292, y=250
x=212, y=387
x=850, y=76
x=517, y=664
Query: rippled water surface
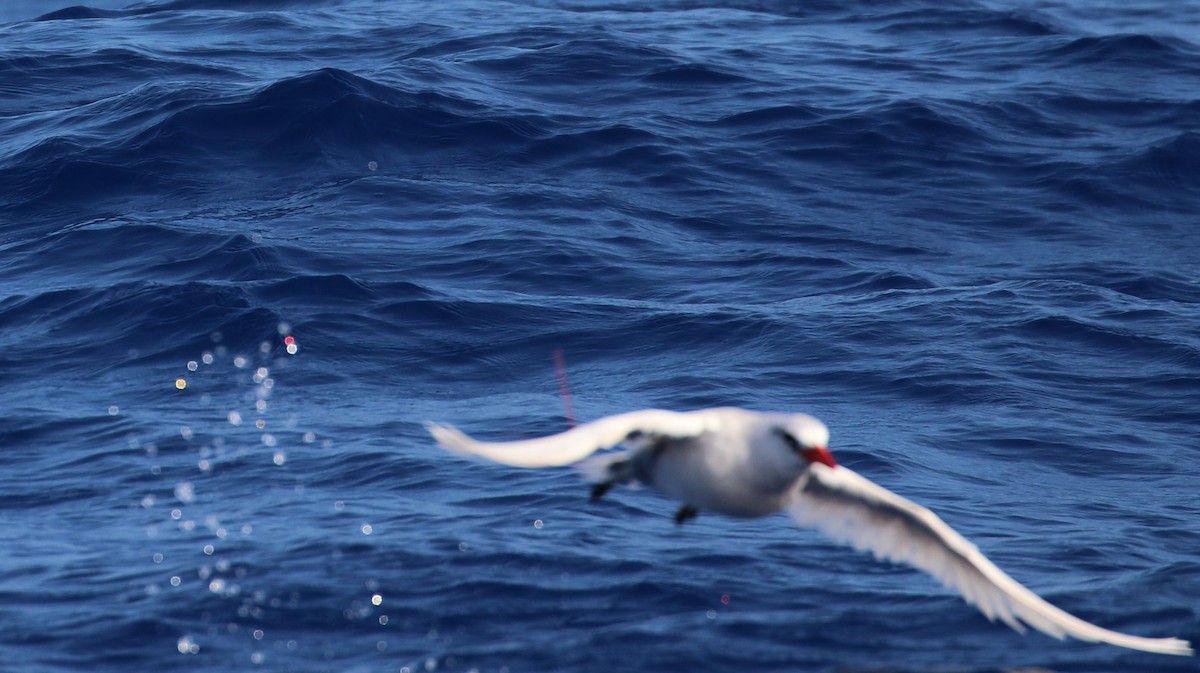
x=963, y=233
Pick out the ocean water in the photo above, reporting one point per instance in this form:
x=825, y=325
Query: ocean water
x=247, y=248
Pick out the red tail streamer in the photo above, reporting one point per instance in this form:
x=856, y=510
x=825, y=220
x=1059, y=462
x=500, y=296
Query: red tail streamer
x=564, y=389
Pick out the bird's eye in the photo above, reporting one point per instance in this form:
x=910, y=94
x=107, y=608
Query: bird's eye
x=789, y=439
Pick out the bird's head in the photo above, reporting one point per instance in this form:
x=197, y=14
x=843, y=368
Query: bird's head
x=806, y=437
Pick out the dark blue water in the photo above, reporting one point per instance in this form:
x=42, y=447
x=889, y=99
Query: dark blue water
x=962, y=233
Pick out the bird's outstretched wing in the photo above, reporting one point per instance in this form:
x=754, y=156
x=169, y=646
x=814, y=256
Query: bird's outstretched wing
x=577, y=443
x=853, y=510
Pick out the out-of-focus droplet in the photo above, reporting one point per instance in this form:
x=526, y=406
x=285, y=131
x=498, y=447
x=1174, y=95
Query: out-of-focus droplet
x=185, y=493
x=192, y=365
x=180, y=384
x=187, y=646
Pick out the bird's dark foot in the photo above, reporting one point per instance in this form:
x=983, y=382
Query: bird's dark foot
x=600, y=489
x=685, y=513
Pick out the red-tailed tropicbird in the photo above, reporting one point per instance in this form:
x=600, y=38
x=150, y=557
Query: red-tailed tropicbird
x=748, y=464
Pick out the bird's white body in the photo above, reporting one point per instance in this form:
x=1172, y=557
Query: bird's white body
x=747, y=477
x=748, y=464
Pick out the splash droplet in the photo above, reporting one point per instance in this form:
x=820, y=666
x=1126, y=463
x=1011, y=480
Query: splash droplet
x=185, y=493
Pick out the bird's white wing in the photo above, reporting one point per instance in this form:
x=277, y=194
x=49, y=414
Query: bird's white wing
x=853, y=510
x=577, y=443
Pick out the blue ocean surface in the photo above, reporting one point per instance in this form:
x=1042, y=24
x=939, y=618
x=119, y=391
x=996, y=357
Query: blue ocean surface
x=248, y=246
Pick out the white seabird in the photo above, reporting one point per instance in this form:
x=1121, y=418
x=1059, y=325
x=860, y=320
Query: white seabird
x=748, y=464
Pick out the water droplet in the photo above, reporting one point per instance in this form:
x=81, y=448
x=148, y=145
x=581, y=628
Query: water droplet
x=192, y=365
x=181, y=383
x=239, y=362
x=176, y=581
x=208, y=550
x=278, y=458
x=158, y=557
x=269, y=440
x=376, y=599
x=185, y=493
x=187, y=646
x=367, y=529
x=463, y=546
x=207, y=358
x=235, y=418
x=537, y=523
x=371, y=165
x=114, y=410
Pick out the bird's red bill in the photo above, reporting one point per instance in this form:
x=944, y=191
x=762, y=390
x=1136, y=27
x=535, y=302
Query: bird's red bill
x=820, y=455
